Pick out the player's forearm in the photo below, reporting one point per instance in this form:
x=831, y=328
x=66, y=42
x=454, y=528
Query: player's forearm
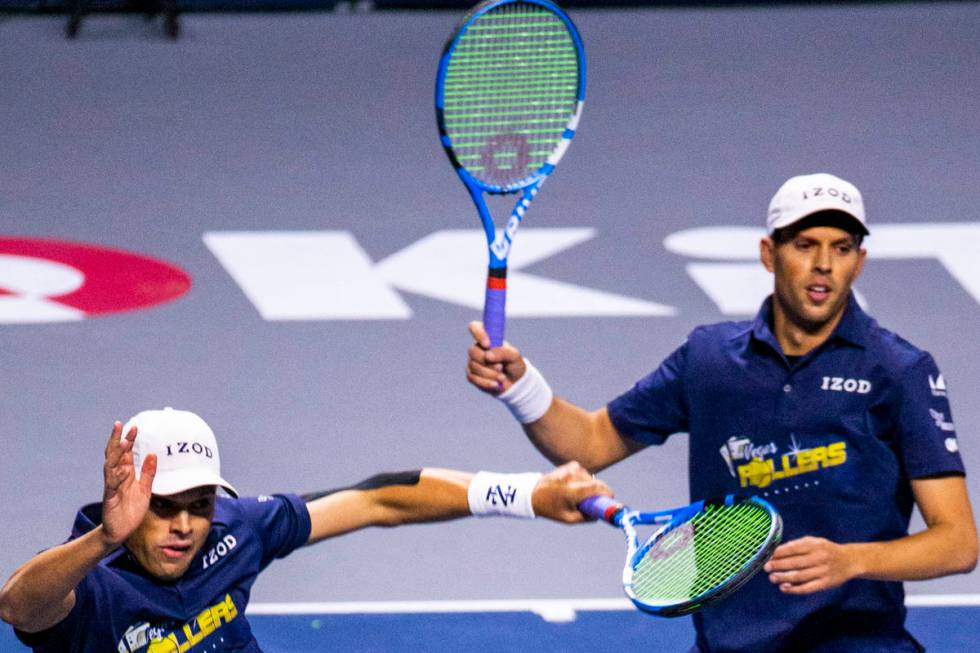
x=439, y=495
x=39, y=594
x=939, y=550
x=388, y=499
x=567, y=432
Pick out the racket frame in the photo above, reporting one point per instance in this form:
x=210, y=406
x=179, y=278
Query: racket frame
x=499, y=241
x=628, y=519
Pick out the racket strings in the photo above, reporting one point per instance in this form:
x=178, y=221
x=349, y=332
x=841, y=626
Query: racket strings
x=510, y=90
x=701, y=554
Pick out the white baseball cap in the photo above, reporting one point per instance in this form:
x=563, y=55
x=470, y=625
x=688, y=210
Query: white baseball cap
x=805, y=195
x=186, y=450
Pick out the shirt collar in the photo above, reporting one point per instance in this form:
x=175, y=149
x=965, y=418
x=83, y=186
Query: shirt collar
x=852, y=328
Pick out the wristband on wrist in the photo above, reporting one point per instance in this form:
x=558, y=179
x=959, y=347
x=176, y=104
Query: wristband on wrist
x=530, y=398
x=502, y=494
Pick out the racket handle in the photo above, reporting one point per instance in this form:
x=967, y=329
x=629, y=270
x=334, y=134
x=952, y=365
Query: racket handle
x=599, y=506
x=494, y=316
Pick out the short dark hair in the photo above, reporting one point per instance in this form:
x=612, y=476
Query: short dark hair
x=830, y=218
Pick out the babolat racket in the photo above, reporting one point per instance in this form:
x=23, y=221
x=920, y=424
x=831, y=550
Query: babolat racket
x=509, y=93
x=701, y=553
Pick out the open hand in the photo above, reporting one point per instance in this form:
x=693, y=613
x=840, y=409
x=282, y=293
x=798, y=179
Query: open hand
x=125, y=499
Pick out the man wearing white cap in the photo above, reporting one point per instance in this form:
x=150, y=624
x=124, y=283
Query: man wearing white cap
x=165, y=565
x=840, y=423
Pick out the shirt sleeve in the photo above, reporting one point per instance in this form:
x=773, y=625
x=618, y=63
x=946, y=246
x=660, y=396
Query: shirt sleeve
x=656, y=406
x=926, y=434
x=281, y=521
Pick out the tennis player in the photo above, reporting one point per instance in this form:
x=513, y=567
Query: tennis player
x=165, y=565
x=840, y=423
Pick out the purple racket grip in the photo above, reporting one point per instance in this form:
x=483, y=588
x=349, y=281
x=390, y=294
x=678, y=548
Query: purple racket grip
x=599, y=506
x=493, y=309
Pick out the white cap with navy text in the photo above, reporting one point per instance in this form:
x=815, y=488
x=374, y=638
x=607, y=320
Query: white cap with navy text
x=186, y=450
x=805, y=195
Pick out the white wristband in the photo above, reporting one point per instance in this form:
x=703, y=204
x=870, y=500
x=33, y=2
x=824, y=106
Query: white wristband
x=502, y=494
x=529, y=398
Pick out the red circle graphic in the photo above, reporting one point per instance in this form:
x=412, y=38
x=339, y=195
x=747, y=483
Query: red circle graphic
x=114, y=280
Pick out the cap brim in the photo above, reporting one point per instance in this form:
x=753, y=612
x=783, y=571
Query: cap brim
x=850, y=217
x=179, y=480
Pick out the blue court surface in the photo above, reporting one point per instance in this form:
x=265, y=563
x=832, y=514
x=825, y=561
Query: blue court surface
x=941, y=630
x=545, y=625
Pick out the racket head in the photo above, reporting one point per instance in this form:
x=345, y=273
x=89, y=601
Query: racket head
x=509, y=93
x=704, y=553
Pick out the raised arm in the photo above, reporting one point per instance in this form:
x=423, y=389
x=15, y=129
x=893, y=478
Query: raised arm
x=560, y=430
x=431, y=495
x=42, y=591
x=948, y=545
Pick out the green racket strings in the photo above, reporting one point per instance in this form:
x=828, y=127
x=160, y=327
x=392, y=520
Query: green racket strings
x=510, y=90
x=700, y=554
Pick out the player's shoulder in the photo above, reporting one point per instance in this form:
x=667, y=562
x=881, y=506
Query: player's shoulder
x=241, y=514
x=255, y=510
x=239, y=508
x=720, y=332
x=892, y=350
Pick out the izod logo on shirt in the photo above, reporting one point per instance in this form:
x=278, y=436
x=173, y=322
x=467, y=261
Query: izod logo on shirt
x=840, y=384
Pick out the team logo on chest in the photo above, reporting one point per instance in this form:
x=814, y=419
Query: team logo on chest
x=762, y=465
x=171, y=638
x=842, y=384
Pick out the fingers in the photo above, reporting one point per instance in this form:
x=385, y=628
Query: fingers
x=505, y=355
x=117, y=445
x=805, y=588
x=118, y=457
x=803, y=552
x=485, y=377
x=796, y=547
x=148, y=473
x=806, y=565
x=797, y=577
x=578, y=485
x=481, y=352
x=479, y=334
x=593, y=487
x=112, y=446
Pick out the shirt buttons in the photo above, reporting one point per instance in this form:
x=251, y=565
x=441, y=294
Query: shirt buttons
x=787, y=388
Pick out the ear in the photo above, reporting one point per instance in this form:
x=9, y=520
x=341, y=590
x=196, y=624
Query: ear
x=767, y=253
x=862, y=254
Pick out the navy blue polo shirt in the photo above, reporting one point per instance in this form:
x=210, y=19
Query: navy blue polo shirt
x=831, y=439
x=120, y=608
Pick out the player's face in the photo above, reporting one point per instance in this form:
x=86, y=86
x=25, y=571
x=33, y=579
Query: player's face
x=813, y=272
x=173, y=531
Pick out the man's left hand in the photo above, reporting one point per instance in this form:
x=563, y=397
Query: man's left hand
x=810, y=564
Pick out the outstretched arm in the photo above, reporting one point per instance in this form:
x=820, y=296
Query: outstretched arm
x=439, y=495
x=560, y=430
x=42, y=591
x=948, y=545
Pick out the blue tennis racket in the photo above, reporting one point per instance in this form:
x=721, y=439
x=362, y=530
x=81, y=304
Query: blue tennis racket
x=701, y=553
x=509, y=93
